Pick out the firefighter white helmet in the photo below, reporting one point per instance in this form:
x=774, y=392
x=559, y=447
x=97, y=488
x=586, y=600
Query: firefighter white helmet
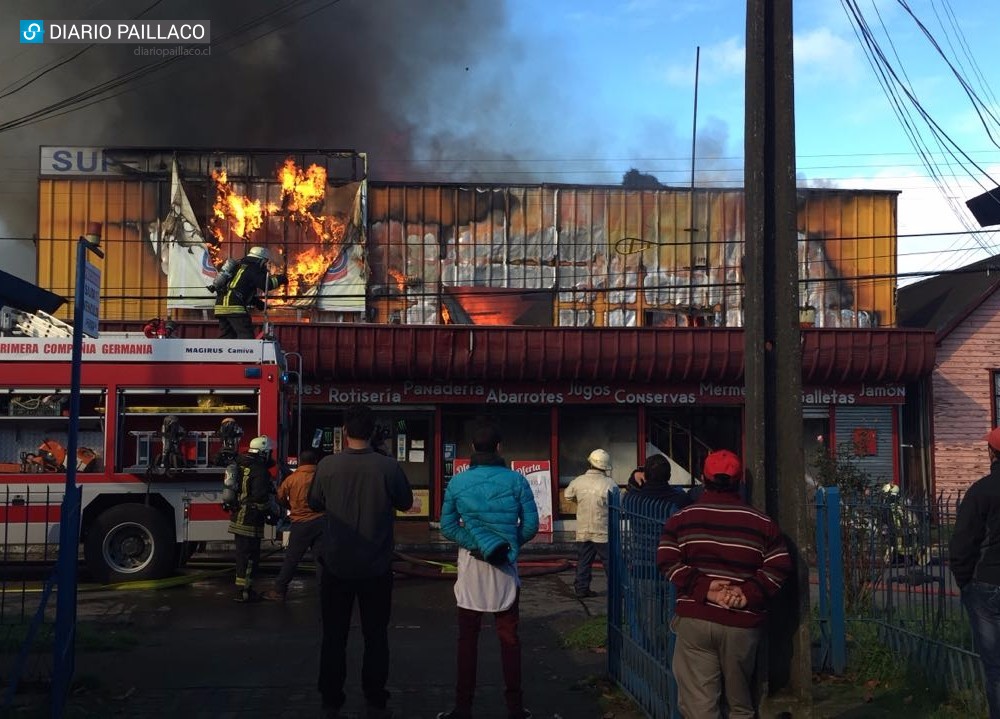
x=261, y=445
x=599, y=459
x=259, y=253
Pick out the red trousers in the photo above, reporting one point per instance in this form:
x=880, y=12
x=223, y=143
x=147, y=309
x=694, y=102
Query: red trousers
x=469, y=622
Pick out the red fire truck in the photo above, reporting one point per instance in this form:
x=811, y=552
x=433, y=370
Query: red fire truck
x=160, y=418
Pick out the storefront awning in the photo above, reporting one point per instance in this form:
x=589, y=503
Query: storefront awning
x=364, y=352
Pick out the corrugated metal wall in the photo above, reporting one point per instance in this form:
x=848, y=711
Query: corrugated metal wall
x=132, y=285
x=879, y=466
x=572, y=255
x=603, y=256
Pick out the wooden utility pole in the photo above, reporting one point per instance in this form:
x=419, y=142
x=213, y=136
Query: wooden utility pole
x=774, y=459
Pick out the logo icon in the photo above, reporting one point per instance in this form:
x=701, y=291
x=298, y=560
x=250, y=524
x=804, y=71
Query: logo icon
x=32, y=32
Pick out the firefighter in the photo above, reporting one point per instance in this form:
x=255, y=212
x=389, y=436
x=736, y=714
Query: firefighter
x=253, y=499
x=233, y=303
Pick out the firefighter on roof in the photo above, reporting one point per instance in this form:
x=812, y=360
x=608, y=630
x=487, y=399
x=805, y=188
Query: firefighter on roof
x=234, y=300
x=253, y=498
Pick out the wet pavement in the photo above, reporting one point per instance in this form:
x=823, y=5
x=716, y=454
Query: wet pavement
x=191, y=651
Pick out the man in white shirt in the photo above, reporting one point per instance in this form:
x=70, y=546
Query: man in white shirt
x=490, y=512
x=590, y=492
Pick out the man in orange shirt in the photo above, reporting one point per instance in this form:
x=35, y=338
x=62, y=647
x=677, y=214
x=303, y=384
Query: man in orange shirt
x=307, y=525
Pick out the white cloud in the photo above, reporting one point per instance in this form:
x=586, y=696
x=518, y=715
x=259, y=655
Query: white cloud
x=924, y=213
x=721, y=61
x=822, y=54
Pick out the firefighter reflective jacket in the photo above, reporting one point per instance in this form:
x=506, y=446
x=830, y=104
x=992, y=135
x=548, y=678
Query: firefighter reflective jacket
x=249, y=278
x=253, y=497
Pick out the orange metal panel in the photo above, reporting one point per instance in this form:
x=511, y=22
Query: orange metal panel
x=132, y=285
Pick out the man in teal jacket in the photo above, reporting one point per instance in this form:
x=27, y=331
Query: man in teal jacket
x=490, y=512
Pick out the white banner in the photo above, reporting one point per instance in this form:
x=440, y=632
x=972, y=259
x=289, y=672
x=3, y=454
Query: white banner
x=342, y=288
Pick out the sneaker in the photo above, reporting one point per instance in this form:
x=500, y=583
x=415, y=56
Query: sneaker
x=586, y=593
x=453, y=714
x=273, y=595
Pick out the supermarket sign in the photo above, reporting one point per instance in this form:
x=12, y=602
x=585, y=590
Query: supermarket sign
x=137, y=348
x=559, y=393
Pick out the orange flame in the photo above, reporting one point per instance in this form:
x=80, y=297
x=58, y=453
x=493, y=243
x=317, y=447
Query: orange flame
x=240, y=213
x=302, y=196
x=399, y=277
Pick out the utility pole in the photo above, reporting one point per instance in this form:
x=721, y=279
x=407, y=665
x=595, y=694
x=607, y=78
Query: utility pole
x=773, y=351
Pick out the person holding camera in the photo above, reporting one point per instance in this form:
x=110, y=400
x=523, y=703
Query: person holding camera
x=490, y=512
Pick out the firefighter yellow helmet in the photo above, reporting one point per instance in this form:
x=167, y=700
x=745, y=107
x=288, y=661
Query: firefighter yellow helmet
x=259, y=253
x=261, y=445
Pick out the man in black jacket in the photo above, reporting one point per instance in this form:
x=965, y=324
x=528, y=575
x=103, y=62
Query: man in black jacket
x=232, y=305
x=358, y=489
x=653, y=481
x=974, y=558
x=253, y=496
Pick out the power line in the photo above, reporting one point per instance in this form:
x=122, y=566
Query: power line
x=99, y=93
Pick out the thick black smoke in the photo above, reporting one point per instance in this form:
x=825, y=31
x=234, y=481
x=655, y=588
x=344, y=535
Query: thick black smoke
x=426, y=88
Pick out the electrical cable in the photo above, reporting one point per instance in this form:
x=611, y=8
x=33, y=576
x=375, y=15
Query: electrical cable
x=97, y=93
x=42, y=72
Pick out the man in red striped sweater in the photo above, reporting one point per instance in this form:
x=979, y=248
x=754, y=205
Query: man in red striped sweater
x=726, y=560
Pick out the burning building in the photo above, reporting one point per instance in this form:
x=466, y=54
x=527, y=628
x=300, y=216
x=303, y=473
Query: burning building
x=579, y=316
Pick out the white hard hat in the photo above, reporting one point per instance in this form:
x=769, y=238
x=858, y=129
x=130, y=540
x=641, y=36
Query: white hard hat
x=600, y=459
x=261, y=444
x=260, y=253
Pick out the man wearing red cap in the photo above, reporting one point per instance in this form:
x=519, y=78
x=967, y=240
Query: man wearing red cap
x=974, y=558
x=726, y=559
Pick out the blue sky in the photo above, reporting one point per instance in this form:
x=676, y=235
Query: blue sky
x=635, y=63
x=535, y=91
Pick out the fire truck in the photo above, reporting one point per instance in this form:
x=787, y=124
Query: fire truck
x=160, y=418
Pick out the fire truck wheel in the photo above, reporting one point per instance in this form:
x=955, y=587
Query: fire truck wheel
x=130, y=542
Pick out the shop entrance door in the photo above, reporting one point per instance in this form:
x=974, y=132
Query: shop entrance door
x=407, y=435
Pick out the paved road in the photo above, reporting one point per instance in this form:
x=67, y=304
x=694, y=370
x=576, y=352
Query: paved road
x=199, y=654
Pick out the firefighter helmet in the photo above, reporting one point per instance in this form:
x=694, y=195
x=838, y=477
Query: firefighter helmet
x=261, y=445
x=259, y=253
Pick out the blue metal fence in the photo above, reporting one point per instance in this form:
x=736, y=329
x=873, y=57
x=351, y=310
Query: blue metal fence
x=893, y=560
x=640, y=606
x=830, y=571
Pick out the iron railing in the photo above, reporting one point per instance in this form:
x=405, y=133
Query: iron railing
x=896, y=576
x=640, y=606
x=29, y=524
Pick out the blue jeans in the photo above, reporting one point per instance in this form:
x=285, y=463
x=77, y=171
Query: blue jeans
x=983, y=604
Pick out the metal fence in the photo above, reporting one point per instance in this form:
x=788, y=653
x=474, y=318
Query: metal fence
x=640, y=606
x=896, y=576
x=28, y=550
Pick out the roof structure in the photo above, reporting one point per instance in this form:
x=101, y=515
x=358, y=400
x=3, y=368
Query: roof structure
x=366, y=352
x=942, y=302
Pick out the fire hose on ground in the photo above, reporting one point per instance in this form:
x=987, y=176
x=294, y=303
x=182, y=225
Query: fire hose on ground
x=406, y=565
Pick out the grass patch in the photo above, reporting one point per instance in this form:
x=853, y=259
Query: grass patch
x=592, y=634
x=878, y=684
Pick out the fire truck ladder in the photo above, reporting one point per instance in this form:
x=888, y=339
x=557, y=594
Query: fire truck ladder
x=31, y=324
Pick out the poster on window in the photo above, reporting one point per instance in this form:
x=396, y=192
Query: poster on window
x=539, y=477
x=460, y=465
x=421, y=505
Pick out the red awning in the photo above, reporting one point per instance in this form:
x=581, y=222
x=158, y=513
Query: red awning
x=365, y=352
